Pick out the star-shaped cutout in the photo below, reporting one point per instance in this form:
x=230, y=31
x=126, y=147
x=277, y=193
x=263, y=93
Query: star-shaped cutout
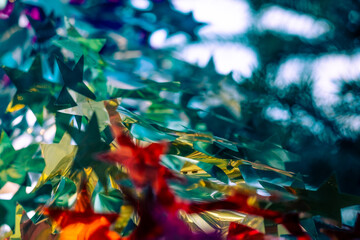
x=80, y=46
x=326, y=201
x=73, y=79
x=86, y=108
x=143, y=163
x=58, y=158
x=173, y=20
x=32, y=89
x=89, y=144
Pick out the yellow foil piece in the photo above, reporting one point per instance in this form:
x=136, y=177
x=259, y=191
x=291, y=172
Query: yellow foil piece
x=58, y=159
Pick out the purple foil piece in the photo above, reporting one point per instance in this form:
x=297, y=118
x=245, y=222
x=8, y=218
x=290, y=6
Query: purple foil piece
x=34, y=13
x=5, y=13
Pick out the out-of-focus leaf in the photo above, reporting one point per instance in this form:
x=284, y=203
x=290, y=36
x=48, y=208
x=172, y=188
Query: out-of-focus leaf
x=80, y=46
x=32, y=89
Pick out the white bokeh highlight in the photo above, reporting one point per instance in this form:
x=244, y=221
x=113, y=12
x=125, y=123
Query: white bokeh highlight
x=289, y=22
